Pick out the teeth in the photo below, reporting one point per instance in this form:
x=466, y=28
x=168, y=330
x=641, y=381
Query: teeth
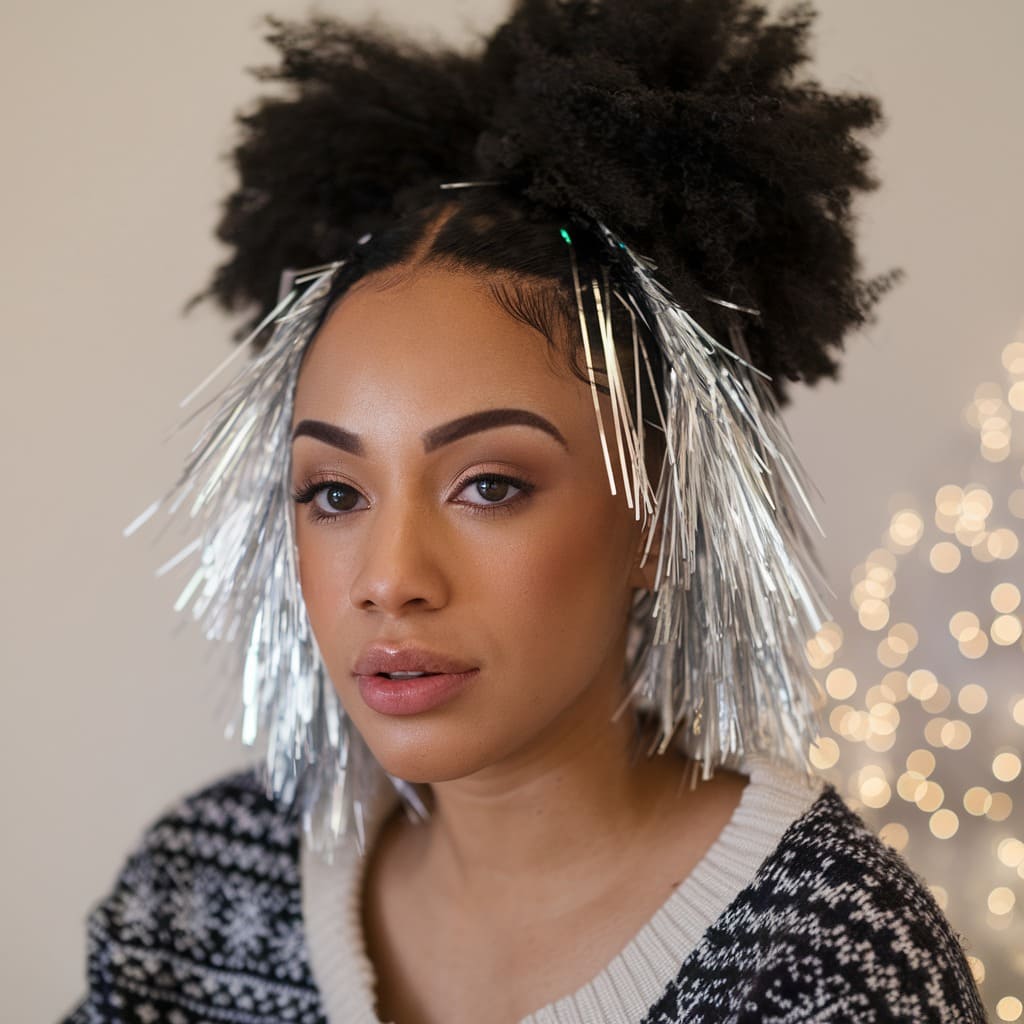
x=404, y=675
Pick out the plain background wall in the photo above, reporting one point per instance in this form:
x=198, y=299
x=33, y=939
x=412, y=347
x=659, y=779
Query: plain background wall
x=115, y=116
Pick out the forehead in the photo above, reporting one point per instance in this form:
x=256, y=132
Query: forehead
x=433, y=342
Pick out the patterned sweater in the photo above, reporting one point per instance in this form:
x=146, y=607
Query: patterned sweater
x=796, y=914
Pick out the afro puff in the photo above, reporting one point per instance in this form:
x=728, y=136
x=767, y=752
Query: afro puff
x=682, y=125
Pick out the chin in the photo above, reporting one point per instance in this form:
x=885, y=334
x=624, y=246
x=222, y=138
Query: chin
x=421, y=749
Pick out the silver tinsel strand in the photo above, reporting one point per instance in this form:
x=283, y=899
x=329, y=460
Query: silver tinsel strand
x=719, y=645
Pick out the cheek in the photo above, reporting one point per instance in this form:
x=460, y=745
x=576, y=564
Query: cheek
x=568, y=582
x=324, y=567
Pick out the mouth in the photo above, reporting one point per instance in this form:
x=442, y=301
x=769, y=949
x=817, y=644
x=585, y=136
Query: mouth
x=400, y=679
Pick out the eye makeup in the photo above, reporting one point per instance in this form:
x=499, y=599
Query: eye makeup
x=312, y=488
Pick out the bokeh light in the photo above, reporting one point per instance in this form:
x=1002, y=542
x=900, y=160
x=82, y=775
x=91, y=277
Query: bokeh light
x=924, y=735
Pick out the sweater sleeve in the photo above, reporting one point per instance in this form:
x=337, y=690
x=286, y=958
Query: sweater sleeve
x=204, y=922
x=834, y=927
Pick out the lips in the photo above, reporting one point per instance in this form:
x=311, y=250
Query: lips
x=396, y=680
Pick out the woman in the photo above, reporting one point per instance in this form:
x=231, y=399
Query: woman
x=548, y=534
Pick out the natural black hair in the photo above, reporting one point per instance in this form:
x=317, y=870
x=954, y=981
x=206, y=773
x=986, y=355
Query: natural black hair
x=683, y=125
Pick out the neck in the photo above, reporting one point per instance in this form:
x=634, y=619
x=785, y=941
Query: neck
x=518, y=835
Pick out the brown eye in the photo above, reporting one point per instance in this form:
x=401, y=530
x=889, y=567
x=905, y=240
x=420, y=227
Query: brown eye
x=336, y=498
x=493, y=489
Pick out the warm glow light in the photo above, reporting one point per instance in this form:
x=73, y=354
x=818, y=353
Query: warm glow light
x=818, y=655
x=1002, y=543
x=955, y=735
x=1009, y=1008
x=1001, y=900
x=1005, y=598
x=1018, y=711
x=896, y=684
x=891, y=653
x=977, y=504
x=1006, y=630
x=995, y=445
x=971, y=533
x=1006, y=766
x=931, y=797
x=868, y=590
x=944, y=824
x=882, y=557
x=824, y=753
x=1002, y=807
x=856, y=726
x=1016, y=396
x=949, y=499
x=1016, y=503
x=961, y=622
x=880, y=742
x=940, y=895
x=895, y=835
x=911, y=786
x=944, y=557
x=921, y=761
x=972, y=699
x=906, y=528
x=837, y=719
x=873, y=614
x=875, y=792
x=973, y=643
x=933, y=731
x=879, y=694
x=841, y=683
x=1011, y=852
x=905, y=632
x=938, y=701
x=977, y=801
x=1013, y=358
x=922, y=684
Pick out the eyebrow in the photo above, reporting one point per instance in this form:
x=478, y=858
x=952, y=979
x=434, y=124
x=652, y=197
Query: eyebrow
x=446, y=433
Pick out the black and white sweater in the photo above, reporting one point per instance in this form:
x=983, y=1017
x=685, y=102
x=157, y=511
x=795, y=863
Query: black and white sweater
x=796, y=914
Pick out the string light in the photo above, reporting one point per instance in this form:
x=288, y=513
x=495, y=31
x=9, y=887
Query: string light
x=1009, y=1008
x=1006, y=766
x=905, y=697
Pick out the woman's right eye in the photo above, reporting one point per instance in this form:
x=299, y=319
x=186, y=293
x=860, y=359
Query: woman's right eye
x=328, y=500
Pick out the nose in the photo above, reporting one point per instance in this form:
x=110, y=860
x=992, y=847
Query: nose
x=401, y=563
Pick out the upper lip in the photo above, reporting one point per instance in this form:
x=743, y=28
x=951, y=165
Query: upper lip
x=403, y=658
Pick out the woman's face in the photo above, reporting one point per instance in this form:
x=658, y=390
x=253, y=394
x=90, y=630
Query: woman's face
x=438, y=534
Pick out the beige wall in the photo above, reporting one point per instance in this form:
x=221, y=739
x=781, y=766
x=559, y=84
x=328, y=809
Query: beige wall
x=114, y=113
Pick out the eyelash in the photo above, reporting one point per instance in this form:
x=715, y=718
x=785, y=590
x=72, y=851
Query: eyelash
x=305, y=494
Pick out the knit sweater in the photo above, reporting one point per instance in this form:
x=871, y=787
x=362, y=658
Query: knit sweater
x=796, y=913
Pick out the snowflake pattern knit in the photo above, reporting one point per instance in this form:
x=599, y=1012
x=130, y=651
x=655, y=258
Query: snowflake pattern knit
x=205, y=926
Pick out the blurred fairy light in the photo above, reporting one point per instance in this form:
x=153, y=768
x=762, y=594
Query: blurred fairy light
x=895, y=723
x=1009, y=1008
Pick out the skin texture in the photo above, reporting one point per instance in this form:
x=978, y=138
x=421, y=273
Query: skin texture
x=547, y=848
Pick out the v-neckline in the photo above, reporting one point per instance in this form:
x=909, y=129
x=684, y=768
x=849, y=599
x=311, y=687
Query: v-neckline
x=623, y=991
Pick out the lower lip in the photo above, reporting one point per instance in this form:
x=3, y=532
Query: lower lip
x=412, y=696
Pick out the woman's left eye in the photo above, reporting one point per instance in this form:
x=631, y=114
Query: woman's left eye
x=494, y=489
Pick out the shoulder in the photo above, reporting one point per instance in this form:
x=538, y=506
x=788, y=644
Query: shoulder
x=206, y=912
x=231, y=823
x=833, y=926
